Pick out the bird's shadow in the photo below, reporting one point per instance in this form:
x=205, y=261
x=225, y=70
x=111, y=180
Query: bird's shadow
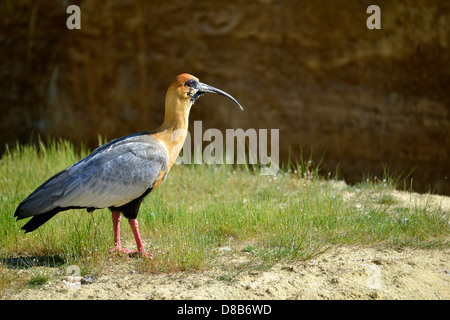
x=33, y=261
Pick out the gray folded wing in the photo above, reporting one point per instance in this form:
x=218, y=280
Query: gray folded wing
x=113, y=175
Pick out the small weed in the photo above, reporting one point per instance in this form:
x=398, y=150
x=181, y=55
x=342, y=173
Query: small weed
x=385, y=199
x=38, y=278
x=225, y=278
x=249, y=249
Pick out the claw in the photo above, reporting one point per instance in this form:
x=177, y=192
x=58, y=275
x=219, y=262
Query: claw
x=131, y=252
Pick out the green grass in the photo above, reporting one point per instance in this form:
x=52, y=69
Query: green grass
x=201, y=209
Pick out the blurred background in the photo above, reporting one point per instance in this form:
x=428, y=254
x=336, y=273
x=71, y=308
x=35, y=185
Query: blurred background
x=357, y=98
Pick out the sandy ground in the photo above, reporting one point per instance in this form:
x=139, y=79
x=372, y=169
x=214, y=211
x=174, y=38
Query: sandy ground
x=339, y=273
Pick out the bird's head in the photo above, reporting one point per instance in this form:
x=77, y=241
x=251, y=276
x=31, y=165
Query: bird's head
x=188, y=89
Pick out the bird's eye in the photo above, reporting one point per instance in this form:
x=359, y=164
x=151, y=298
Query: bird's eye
x=189, y=83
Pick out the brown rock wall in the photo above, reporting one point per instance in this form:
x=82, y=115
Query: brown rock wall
x=310, y=68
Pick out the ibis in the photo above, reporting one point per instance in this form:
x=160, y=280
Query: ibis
x=122, y=172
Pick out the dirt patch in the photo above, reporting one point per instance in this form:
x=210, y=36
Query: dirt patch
x=339, y=273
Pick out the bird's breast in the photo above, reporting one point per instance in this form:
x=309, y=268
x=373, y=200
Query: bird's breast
x=161, y=177
x=173, y=141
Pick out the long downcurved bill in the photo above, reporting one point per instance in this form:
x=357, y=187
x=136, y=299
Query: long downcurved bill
x=203, y=88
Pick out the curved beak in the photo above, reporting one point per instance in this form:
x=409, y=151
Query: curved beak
x=204, y=88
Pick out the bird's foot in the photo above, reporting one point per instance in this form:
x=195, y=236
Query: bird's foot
x=131, y=252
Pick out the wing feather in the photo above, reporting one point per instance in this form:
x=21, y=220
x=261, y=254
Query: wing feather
x=112, y=175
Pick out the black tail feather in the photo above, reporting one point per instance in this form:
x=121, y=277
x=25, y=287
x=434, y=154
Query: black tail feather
x=38, y=220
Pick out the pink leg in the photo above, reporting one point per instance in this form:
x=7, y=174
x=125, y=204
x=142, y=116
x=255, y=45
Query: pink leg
x=116, y=227
x=135, y=228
